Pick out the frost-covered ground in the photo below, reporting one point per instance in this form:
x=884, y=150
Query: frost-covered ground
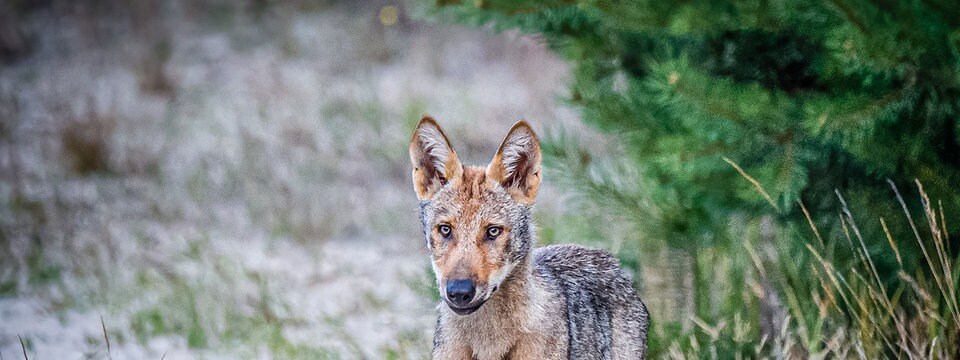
x=221, y=179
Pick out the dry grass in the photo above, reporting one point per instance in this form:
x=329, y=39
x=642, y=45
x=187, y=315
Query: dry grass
x=914, y=317
x=860, y=314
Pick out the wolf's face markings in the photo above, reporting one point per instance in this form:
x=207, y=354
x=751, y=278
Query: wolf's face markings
x=471, y=212
x=476, y=220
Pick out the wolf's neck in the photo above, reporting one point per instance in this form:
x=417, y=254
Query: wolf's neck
x=517, y=286
x=516, y=301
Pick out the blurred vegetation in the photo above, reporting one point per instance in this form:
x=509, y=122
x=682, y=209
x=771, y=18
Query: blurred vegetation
x=749, y=132
x=198, y=174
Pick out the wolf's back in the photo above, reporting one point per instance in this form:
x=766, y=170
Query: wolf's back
x=605, y=317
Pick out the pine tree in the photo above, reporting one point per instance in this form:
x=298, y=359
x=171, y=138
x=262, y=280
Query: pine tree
x=807, y=98
x=767, y=108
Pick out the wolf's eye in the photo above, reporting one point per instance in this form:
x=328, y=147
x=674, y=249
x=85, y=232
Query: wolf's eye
x=444, y=230
x=493, y=232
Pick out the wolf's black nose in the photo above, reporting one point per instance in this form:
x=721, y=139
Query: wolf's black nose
x=460, y=292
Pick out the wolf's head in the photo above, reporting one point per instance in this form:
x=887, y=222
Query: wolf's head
x=476, y=220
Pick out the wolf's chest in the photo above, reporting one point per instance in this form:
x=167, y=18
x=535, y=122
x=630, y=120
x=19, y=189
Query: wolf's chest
x=510, y=334
x=489, y=339
x=540, y=344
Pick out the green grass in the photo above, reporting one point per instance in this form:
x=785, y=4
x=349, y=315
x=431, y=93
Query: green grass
x=207, y=316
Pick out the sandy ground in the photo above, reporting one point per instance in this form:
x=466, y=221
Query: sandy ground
x=216, y=180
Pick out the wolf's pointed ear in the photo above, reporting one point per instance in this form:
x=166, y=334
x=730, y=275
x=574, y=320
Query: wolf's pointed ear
x=434, y=161
x=517, y=164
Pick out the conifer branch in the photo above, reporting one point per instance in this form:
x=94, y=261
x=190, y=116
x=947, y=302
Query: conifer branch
x=848, y=13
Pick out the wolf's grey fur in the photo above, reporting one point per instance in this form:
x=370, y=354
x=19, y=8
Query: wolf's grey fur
x=605, y=317
x=554, y=302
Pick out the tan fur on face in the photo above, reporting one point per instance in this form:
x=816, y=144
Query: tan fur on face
x=469, y=206
x=470, y=199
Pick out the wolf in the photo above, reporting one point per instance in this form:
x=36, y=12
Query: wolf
x=501, y=297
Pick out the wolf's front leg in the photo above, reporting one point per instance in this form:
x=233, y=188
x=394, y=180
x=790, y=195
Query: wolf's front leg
x=445, y=349
x=452, y=353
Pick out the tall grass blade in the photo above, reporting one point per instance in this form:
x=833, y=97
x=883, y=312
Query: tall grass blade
x=106, y=337
x=882, y=296
x=24, y=348
x=950, y=298
x=753, y=181
x=893, y=245
x=813, y=226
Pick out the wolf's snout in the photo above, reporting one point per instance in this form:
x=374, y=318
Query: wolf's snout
x=460, y=292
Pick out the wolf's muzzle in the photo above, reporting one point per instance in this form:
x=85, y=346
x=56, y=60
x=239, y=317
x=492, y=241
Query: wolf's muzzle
x=460, y=297
x=465, y=310
x=460, y=292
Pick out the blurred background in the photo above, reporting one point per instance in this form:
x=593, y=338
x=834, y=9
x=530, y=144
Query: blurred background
x=230, y=179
